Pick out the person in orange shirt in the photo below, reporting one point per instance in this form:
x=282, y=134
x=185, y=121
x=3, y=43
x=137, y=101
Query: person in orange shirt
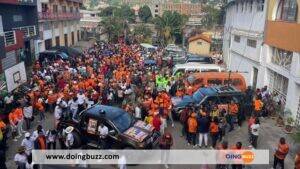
x=233, y=111
x=280, y=153
x=258, y=105
x=214, y=131
x=51, y=100
x=192, y=129
x=13, y=121
x=20, y=118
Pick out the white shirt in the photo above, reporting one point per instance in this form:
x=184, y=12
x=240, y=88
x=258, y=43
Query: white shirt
x=57, y=112
x=35, y=134
x=28, y=144
x=73, y=104
x=8, y=99
x=27, y=111
x=103, y=131
x=70, y=139
x=22, y=158
x=137, y=112
x=255, y=129
x=81, y=98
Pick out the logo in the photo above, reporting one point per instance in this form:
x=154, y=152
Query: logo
x=245, y=157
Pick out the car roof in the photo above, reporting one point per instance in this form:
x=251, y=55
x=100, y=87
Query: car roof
x=49, y=51
x=196, y=65
x=110, y=112
x=209, y=91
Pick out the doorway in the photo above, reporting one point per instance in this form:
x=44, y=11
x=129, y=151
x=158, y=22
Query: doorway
x=66, y=39
x=72, y=37
x=254, y=80
x=48, y=44
x=57, y=41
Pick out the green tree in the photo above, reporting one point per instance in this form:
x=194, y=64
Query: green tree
x=212, y=16
x=170, y=26
x=125, y=13
x=145, y=14
x=142, y=33
x=109, y=11
x=113, y=26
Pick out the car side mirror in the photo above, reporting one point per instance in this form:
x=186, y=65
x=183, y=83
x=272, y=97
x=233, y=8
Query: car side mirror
x=112, y=132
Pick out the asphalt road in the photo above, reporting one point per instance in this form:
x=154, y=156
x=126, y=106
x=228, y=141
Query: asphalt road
x=268, y=139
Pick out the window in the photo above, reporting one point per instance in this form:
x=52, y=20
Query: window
x=251, y=43
x=199, y=43
x=71, y=9
x=287, y=10
x=44, y=7
x=214, y=81
x=251, y=5
x=64, y=9
x=237, y=38
x=282, y=58
x=260, y=5
x=55, y=9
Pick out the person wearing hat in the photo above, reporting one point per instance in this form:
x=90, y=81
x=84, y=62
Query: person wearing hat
x=28, y=143
x=70, y=138
x=21, y=158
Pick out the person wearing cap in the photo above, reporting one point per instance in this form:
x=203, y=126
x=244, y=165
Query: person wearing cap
x=70, y=138
x=21, y=158
x=28, y=143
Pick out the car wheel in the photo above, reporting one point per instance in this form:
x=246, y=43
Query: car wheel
x=77, y=139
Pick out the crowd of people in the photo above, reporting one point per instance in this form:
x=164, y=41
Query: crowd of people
x=114, y=74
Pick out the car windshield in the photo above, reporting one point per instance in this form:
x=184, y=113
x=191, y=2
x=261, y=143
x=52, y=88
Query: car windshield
x=123, y=122
x=64, y=55
x=198, y=96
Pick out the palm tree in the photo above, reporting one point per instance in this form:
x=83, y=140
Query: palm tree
x=169, y=26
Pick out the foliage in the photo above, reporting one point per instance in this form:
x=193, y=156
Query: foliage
x=93, y=3
x=142, y=33
x=169, y=26
x=145, y=14
x=114, y=28
x=212, y=16
x=125, y=13
x=109, y=11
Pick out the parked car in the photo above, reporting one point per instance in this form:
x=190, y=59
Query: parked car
x=124, y=130
x=218, y=95
x=52, y=55
x=199, y=59
x=68, y=50
x=196, y=67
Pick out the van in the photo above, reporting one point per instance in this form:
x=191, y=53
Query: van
x=195, y=67
x=219, y=78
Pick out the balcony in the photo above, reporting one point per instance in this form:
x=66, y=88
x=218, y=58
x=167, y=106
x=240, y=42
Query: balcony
x=59, y=16
x=28, y=31
x=19, y=2
x=283, y=35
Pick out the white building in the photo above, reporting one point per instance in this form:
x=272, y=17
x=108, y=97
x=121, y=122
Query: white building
x=243, y=40
x=262, y=39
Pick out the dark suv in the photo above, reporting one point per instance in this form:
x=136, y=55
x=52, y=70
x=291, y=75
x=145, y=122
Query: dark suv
x=52, y=55
x=124, y=130
x=218, y=95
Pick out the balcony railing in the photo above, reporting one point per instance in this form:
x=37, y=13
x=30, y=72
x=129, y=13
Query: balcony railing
x=10, y=38
x=59, y=16
x=28, y=31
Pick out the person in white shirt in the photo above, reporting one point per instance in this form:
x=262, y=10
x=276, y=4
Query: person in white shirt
x=81, y=100
x=57, y=114
x=28, y=143
x=70, y=138
x=103, y=132
x=255, y=132
x=35, y=134
x=73, y=105
x=27, y=110
x=51, y=136
x=21, y=157
x=138, y=112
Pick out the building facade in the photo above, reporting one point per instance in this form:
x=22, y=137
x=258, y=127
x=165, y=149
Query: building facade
x=58, y=23
x=265, y=47
x=182, y=8
x=243, y=40
x=200, y=44
x=18, y=29
x=282, y=52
